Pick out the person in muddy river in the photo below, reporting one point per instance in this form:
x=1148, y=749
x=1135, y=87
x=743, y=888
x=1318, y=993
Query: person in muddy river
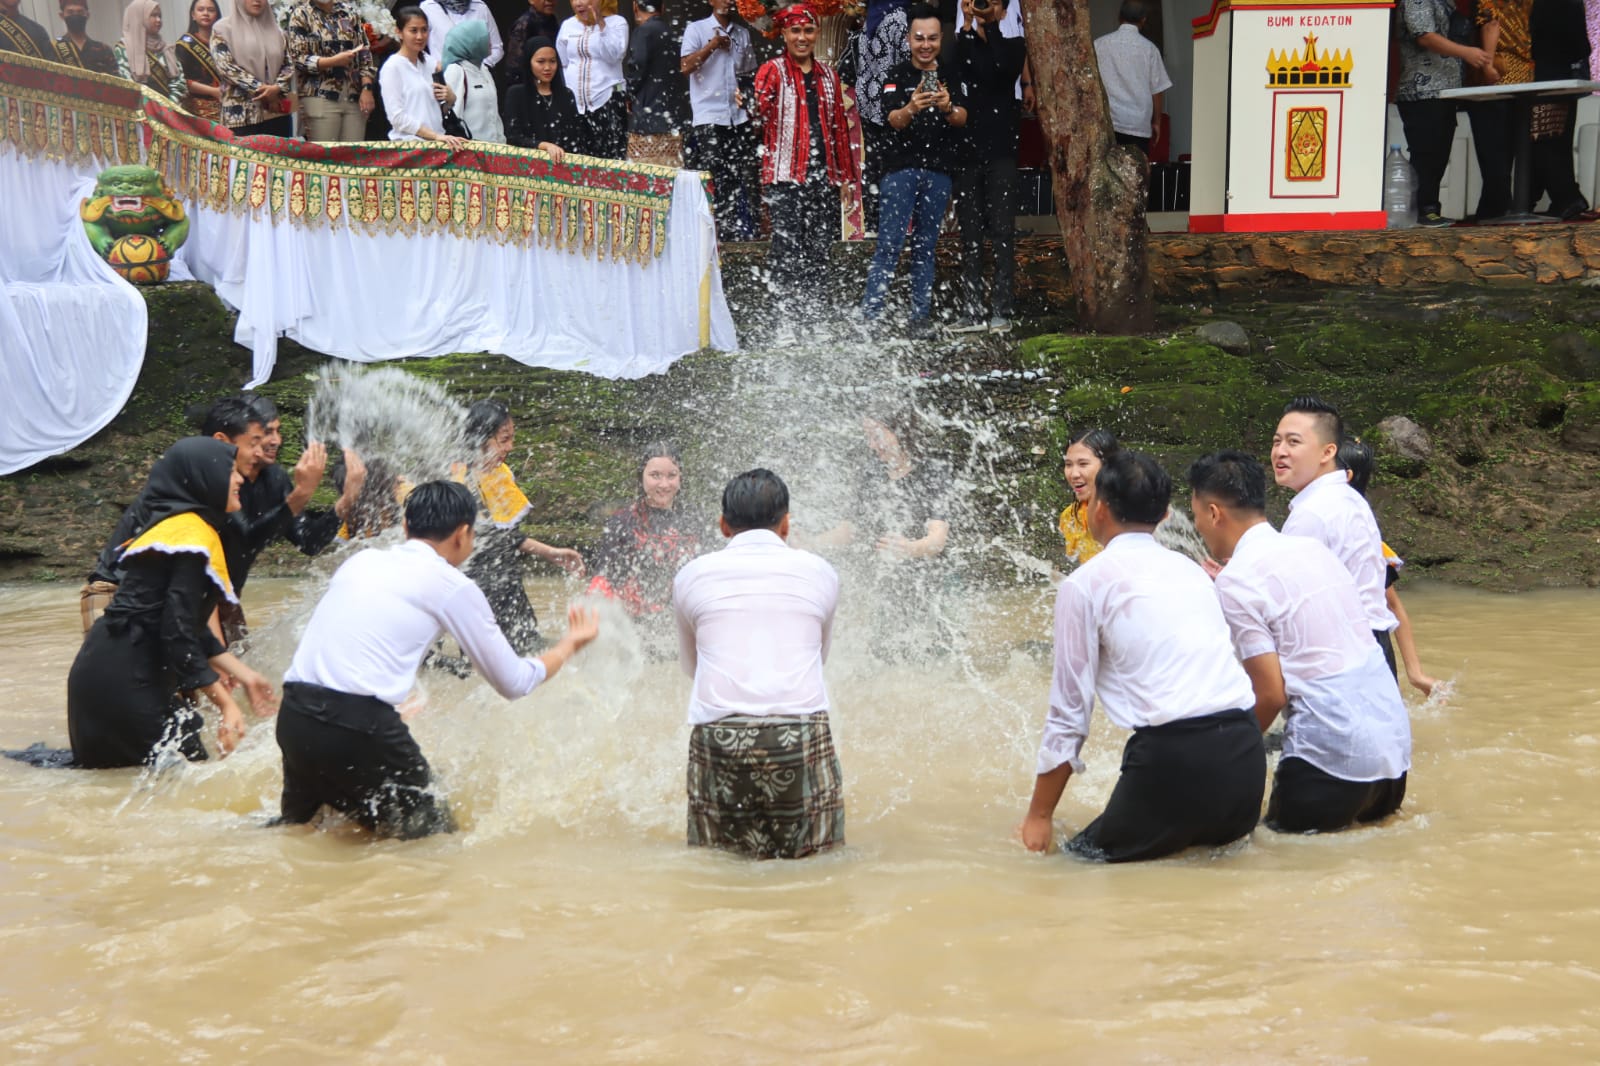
x=645, y=544
x=1140, y=627
x=1299, y=631
x=129, y=693
x=1358, y=461
x=755, y=621
x=344, y=743
x=1305, y=458
x=1086, y=450
x=496, y=565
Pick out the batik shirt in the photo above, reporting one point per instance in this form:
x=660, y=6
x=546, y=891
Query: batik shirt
x=239, y=108
x=1424, y=73
x=92, y=56
x=1513, y=56
x=314, y=34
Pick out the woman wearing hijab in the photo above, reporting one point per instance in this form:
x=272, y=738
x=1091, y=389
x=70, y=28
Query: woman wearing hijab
x=446, y=15
x=199, y=68
x=338, y=83
x=542, y=113
x=258, y=79
x=143, y=57
x=127, y=699
x=465, y=49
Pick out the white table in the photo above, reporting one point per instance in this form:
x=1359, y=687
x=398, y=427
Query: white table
x=1523, y=96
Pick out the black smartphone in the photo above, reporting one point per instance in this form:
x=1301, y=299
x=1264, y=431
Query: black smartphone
x=930, y=82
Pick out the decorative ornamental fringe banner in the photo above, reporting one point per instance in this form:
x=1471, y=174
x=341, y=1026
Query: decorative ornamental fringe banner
x=57, y=112
x=594, y=206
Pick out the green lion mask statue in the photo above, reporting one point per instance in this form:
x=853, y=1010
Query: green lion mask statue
x=132, y=202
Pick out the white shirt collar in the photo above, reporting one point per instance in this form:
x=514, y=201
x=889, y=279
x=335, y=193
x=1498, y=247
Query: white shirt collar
x=1324, y=480
x=751, y=538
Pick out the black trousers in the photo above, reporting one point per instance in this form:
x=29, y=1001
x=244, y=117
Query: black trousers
x=1141, y=143
x=281, y=126
x=123, y=703
x=1308, y=800
x=1491, y=142
x=1430, y=127
x=605, y=129
x=1196, y=781
x=1386, y=642
x=1552, y=165
x=728, y=154
x=354, y=754
x=805, y=225
x=986, y=207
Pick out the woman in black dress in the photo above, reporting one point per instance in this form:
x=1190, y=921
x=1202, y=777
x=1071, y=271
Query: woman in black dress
x=646, y=543
x=129, y=694
x=543, y=114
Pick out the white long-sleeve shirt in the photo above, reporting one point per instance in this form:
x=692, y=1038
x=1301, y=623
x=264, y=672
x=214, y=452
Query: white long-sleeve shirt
x=384, y=609
x=754, y=624
x=1291, y=596
x=407, y=89
x=591, y=58
x=1331, y=511
x=440, y=22
x=1141, y=627
x=476, y=101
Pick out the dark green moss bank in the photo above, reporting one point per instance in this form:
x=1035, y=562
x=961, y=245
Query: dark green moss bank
x=1505, y=384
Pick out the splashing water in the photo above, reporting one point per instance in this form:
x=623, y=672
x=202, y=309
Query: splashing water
x=412, y=426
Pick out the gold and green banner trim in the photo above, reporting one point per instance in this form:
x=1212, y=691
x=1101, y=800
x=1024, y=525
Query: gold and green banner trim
x=52, y=111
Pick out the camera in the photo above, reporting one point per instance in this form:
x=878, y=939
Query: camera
x=980, y=5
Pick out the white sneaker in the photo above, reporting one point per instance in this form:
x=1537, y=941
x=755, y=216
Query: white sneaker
x=999, y=324
x=968, y=325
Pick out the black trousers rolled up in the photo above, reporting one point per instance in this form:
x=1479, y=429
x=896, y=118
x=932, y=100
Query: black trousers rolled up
x=1308, y=800
x=1193, y=782
x=1430, y=127
x=986, y=207
x=354, y=754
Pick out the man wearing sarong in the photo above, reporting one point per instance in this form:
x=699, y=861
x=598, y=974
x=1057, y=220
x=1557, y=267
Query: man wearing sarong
x=344, y=743
x=22, y=35
x=1140, y=627
x=754, y=624
x=76, y=48
x=1305, y=458
x=1299, y=629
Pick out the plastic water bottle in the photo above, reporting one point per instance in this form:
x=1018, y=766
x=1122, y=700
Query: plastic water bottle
x=1399, y=190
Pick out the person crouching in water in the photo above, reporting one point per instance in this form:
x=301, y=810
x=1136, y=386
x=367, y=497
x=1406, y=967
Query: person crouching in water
x=754, y=624
x=344, y=743
x=1140, y=626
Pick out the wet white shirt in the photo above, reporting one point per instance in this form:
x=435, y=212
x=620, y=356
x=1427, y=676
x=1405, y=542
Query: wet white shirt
x=384, y=609
x=754, y=624
x=1132, y=72
x=1141, y=627
x=712, y=86
x=1331, y=511
x=1290, y=595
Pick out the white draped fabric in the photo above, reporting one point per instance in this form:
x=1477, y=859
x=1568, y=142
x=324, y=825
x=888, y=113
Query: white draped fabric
x=369, y=297
x=72, y=333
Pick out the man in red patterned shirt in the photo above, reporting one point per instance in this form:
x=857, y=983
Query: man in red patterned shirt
x=806, y=155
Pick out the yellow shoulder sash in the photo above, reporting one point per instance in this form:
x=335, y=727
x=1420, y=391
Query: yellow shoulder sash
x=187, y=533
x=1080, y=546
x=501, y=497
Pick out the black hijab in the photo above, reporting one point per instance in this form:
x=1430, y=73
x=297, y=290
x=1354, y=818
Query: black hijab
x=194, y=475
x=558, y=84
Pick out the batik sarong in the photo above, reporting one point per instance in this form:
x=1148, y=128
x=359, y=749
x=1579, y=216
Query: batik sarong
x=767, y=787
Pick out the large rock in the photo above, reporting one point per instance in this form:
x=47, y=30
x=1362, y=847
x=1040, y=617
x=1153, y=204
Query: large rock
x=1580, y=430
x=1229, y=336
x=1572, y=356
x=1405, y=438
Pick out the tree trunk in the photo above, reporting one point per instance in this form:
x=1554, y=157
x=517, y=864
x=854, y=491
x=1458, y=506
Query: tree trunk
x=1100, y=187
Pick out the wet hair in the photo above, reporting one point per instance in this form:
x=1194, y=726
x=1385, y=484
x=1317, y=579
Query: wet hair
x=263, y=407
x=1134, y=487
x=1330, y=427
x=484, y=420
x=406, y=14
x=1133, y=11
x=906, y=427
x=1102, y=442
x=436, y=509
x=658, y=450
x=918, y=12
x=1232, y=478
x=1360, y=460
x=756, y=499
x=231, y=416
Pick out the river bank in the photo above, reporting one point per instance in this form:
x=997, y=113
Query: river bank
x=1501, y=489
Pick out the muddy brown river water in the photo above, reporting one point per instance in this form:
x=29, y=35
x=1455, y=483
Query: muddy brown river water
x=156, y=919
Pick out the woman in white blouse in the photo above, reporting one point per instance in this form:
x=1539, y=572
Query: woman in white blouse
x=410, y=95
x=478, y=103
x=592, y=48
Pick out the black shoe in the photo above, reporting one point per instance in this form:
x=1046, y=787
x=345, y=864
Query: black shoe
x=1434, y=220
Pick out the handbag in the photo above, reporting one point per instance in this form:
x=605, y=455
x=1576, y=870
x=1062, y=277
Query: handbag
x=454, y=125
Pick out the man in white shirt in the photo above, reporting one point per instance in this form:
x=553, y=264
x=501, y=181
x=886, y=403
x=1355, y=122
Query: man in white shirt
x=344, y=743
x=1298, y=629
x=1305, y=458
x=1140, y=627
x=445, y=15
x=754, y=624
x=716, y=54
x=1134, y=76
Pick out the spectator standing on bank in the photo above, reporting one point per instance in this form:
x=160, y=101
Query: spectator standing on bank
x=253, y=59
x=446, y=15
x=1503, y=26
x=715, y=54
x=76, y=48
x=1134, y=77
x=654, y=122
x=882, y=48
x=540, y=20
x=142, y=55
x=925, y=106
x=989, y=64
x=476, y=100
x=542, y=113
x=806, y=157
x=1430, y=62
x=1560, y=52
x=199, y=68
x=338, y=82
x=591, y=47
